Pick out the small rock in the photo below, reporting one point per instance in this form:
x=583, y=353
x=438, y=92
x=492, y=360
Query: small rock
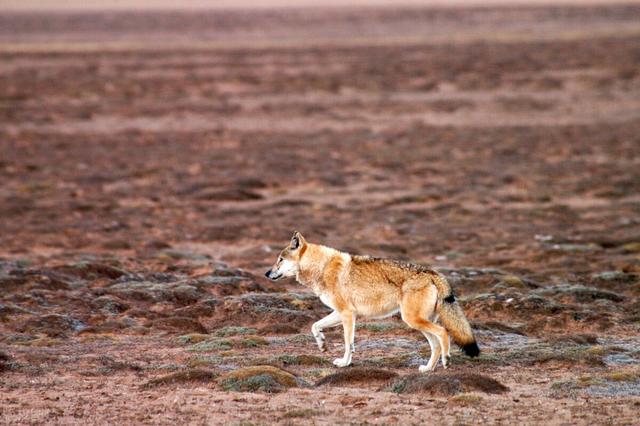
x=513, y=281
x=186, y=294
x=5, y=361
x=109, y=305
x=576, y=248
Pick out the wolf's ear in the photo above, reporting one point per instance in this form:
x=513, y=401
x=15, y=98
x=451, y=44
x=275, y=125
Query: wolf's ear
x=297, y=240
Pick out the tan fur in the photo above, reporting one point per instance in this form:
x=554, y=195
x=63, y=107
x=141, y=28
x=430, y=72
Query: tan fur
x=369, y=287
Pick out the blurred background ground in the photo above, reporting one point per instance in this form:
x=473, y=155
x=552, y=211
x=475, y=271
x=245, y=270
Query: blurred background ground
x=153, y=163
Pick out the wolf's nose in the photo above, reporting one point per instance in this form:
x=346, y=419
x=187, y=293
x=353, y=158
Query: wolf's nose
x=267, y=273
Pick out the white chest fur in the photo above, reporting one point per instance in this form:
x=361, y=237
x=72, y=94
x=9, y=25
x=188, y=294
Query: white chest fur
x=327, y=300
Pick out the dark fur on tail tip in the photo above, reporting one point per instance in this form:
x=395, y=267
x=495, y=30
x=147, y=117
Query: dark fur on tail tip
x=471, y=349
x=450, y=298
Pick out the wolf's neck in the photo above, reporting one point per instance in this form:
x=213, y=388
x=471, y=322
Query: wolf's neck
x=312, y=264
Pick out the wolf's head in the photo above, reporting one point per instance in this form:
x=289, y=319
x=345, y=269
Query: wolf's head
x=287, y=262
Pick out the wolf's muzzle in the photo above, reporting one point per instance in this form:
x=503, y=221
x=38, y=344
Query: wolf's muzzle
x=269, y=274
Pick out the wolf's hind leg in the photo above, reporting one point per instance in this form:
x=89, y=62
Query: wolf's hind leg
x=434, y=319
x=330, y=320
x=435, y=354
x=417, y=305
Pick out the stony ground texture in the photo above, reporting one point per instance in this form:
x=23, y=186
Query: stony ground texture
x=153, y=164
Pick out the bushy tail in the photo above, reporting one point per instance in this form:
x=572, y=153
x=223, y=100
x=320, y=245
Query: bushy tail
x=453, y=318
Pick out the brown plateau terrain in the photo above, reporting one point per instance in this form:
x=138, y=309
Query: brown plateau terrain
x=152, y=164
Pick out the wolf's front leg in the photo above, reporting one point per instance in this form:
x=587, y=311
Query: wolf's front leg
x=330, y=320
x=348, y=323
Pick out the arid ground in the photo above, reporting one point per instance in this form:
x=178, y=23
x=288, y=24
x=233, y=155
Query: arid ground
x=152, y=164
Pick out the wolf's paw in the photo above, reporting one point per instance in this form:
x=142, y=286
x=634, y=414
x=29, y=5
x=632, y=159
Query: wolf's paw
x=445, y=362
x=341, y=362
x=322, y=344
x=426, y=368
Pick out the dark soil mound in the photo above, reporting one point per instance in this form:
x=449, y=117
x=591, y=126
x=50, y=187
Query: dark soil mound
x=187, y=376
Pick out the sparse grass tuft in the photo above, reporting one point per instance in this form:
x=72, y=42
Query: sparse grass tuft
x=624, y=376
x=192, y=338
x=301, y=338
x=252, y=341
x=301, y=413
x=222, y=344
x=209, y=361
x=563, y=353
x=466, y=399
x=586, y=381
x=211, y=345
x=300, y=360
x=233, y=331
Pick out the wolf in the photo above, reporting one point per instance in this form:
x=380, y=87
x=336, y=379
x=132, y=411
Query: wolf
x=376, y=288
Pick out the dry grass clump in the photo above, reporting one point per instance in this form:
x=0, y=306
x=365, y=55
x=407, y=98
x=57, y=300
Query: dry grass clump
x=466, y=399
x=264, y=378
x=357, y=375
x=300, y=413
x=624, y=376
x=307, y=360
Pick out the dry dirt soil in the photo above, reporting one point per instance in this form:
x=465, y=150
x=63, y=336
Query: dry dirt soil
x=152, y=164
